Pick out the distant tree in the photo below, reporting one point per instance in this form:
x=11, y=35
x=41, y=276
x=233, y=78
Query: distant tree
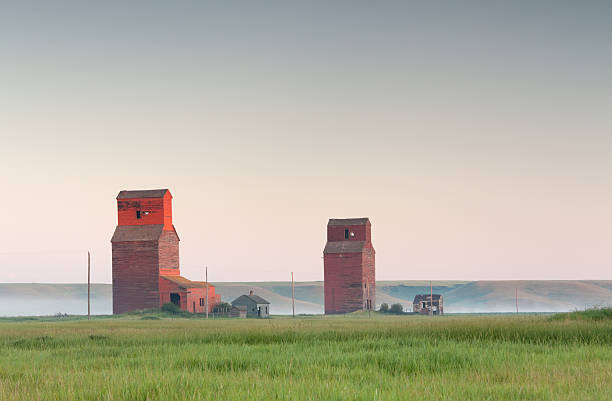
x=397, y=309
x=171, y=308
x=222, y=307
x=384, y=308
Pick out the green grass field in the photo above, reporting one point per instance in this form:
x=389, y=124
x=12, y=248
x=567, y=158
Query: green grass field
x=339, y=358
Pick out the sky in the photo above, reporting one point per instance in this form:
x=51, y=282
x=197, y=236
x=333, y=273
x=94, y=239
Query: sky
x=476, y=136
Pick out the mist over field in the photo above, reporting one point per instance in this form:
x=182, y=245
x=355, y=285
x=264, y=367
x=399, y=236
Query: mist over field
x=459, y=296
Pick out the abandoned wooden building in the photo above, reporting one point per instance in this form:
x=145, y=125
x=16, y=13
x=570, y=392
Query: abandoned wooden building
x=423, y=304
x=238, y=311
x=255, y=305
x=349, y=266
x=145, y=257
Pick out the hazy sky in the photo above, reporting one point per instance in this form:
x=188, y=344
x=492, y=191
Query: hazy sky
x=477, y=136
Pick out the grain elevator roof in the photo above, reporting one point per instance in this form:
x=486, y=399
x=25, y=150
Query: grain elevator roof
x=145, y=193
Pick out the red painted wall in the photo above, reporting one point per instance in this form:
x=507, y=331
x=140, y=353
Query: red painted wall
x=188, y=297
x=169, y=254
x=194, y=296
x=369, y=275
x=343, y=282
x=362, y=232
x=135, y=272
x=152, y=211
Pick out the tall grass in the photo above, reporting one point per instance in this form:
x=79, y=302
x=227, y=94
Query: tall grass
x=597, y=314
x=383, y=358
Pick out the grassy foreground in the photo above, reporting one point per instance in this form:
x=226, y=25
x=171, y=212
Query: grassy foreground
x=340, y=358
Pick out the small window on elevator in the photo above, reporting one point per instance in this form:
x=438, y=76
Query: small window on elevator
x=138, y=216
x=346, y=233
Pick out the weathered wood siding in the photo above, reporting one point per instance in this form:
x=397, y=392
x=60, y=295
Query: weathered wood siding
x=169, y=254
x=135, y=275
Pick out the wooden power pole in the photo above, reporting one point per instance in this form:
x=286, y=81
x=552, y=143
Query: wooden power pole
x=88, y=286
x=369, y=303
x=206, y=276
x=292, y=294
x=430, y=298
x=516, y=298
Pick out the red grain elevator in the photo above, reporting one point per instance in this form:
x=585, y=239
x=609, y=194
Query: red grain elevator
x=349, y=266
x=145, y=247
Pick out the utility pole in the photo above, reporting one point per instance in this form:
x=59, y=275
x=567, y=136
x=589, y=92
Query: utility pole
x=88, y=286
x=292, y=294
x=369, y=303
x=516, y=298
x=206, y=275
x=430, y=298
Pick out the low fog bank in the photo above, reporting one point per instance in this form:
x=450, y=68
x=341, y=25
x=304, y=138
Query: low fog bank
x=464, y=297
x=46, y=306
x=51, y=299
x=11, y=307
x=52, y=306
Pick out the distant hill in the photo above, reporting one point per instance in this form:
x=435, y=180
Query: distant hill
x=459, y=296
x=553, y=296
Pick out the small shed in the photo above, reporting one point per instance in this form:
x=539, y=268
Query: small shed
x=255, y=305
x=238, y=311
x=423, y=304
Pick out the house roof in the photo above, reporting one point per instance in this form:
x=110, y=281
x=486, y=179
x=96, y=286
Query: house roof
x=349, y=222
x=258, y=299
x=344, y=247
x=145, y=193
x=425, y=297
x=255, y=298
x=149, y=232
x=186, y=283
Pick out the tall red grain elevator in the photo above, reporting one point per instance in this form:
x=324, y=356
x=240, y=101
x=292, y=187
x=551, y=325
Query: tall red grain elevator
x=145, y=247
x=349, y=266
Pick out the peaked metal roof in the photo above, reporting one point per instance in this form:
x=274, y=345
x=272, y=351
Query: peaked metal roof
x=344, y=247
x=426, y=297
x=186, y=283
x=258, y=299
x=143, y=193
x=349, y=222
x=148, y=232
x=255, y=298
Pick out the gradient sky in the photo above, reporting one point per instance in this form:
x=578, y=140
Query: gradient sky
x=477, y=136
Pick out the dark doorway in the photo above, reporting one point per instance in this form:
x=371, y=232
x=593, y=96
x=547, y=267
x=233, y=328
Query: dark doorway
x=175, y=299
x=194, y=307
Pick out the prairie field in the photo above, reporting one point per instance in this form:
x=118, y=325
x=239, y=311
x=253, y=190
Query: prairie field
x=524, y=357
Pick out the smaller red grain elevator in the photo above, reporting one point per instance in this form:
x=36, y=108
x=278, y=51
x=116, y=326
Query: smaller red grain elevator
x=349, y=266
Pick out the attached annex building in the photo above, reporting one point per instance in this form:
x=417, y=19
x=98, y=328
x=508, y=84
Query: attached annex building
x=349, y=266
x=145, y=247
